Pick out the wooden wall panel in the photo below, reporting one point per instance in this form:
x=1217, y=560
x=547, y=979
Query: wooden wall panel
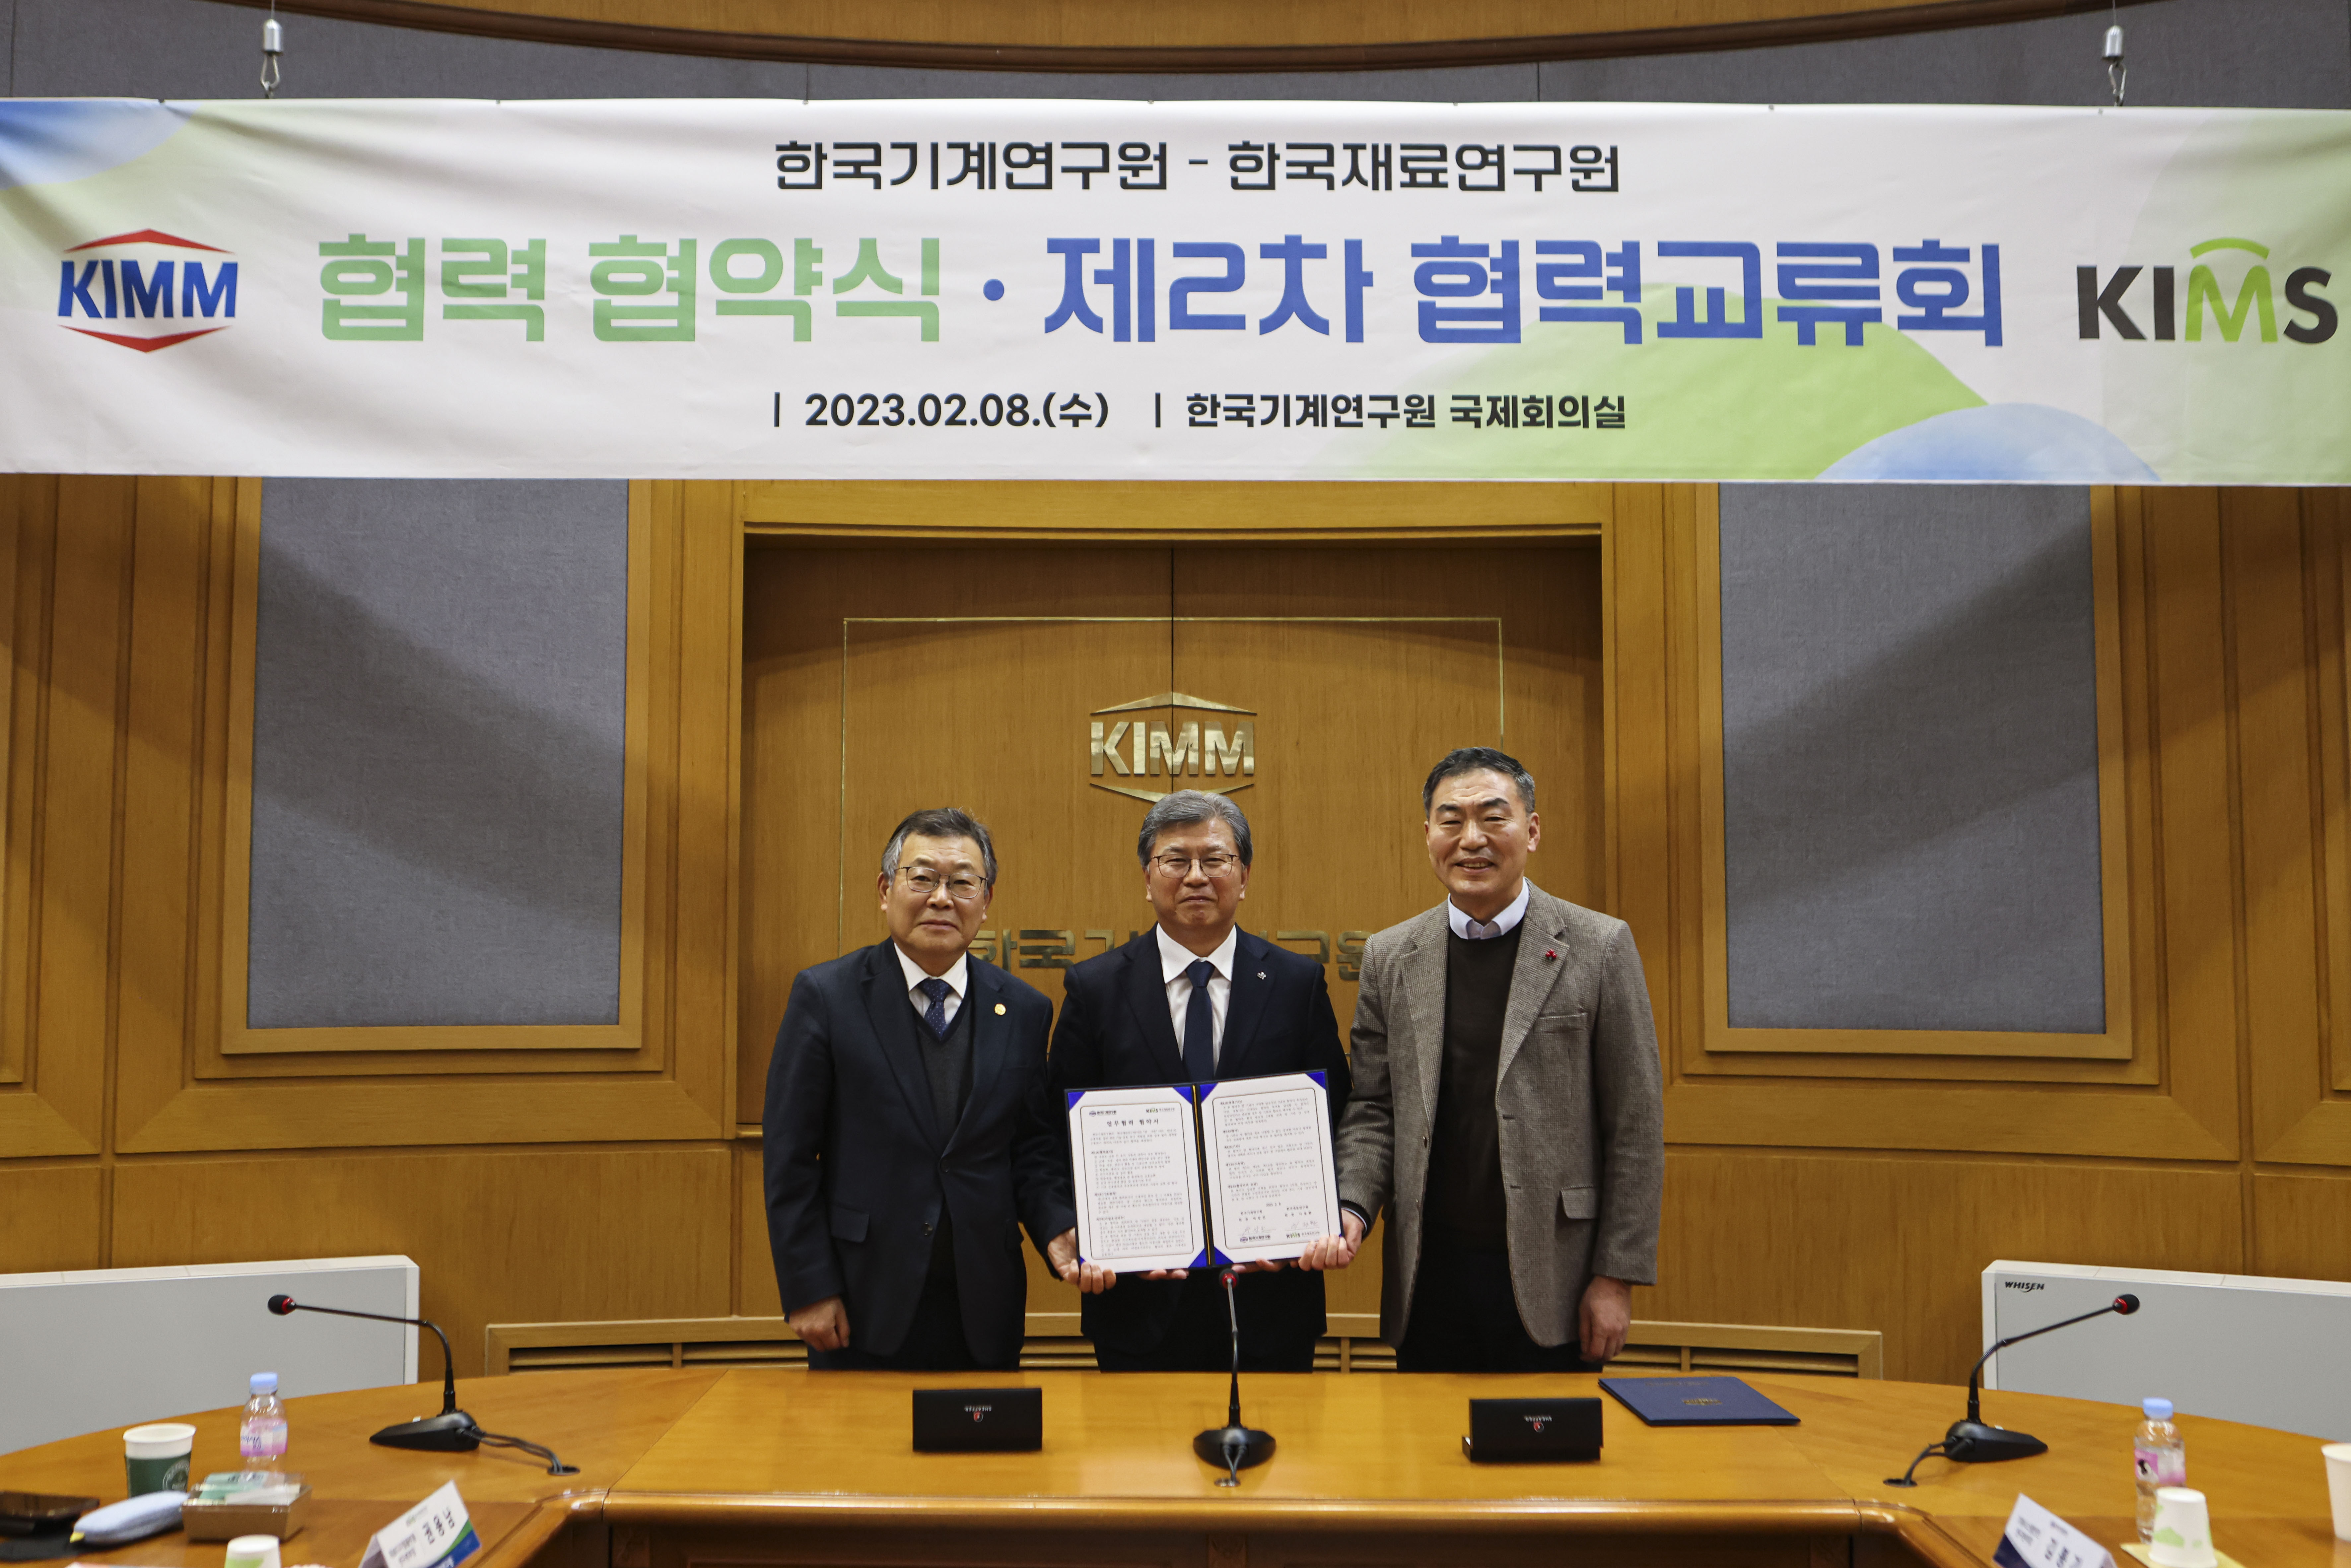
x=528, y=1236
x=2127, y=981
x=51, y=1102
x=178, y=904
x=17, y=492
x=700, y=973
x=2176, y=546
x=51, y=1216
x=2302, y=1226
x=2176, y=1097
x=1637, y=765
x=650, y=724
x=2329, y=520
x=2286, y=568
x=756, y=1293
x=72, y=1013
x=1897, y=1244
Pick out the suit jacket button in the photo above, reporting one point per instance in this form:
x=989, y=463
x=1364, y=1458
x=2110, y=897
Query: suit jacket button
x=926, y=1230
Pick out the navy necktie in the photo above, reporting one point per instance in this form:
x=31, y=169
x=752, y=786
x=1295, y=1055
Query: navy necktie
x=1199, y=1025
x=937, y=1014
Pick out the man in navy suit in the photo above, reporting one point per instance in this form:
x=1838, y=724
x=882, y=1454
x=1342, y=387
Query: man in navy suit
x=908, y=1139
x=1195, y=999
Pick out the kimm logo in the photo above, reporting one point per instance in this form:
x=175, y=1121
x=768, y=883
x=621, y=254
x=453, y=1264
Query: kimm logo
x=2229, y=292
x=1194, y=736
x=145, y=290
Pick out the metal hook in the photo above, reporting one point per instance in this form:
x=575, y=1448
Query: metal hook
x=273, y=44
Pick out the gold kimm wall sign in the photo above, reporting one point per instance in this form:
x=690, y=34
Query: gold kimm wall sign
x=1212, y=743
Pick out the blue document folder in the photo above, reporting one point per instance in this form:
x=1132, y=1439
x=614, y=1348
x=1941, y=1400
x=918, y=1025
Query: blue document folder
x=1696, y=1402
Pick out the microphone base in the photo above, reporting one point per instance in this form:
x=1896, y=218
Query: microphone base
x=1973, y=1443
x=451, y=1432
x=1217, y=1443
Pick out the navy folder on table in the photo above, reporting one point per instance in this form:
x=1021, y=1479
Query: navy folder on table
x=1696, y=1402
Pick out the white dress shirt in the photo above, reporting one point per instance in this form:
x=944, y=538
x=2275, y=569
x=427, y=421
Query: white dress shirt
x=1174, y=959
x=1502, y=923
x=958, y=980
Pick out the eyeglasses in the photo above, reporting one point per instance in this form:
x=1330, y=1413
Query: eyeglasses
x=963, y=888
x=1179, y=866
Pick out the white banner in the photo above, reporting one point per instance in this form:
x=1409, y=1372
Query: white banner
x=1025, y=289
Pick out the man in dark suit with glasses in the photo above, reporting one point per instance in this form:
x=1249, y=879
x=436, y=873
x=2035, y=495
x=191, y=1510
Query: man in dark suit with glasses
x=907, y=1137
x=1195, y=999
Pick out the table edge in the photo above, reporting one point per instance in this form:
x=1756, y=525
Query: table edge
x=547, y=1518
x=1581, y=1515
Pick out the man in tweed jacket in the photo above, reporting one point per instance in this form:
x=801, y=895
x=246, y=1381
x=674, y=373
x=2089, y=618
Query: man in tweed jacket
x=1507, y=1112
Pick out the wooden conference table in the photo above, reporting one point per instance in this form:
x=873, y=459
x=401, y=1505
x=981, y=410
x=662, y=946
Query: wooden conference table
x=699, y=1469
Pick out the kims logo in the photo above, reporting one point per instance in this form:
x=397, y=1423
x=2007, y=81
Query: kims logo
x=146, y=288
x=2117, y=301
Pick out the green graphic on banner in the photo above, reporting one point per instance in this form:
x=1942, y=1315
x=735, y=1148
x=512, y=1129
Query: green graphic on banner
x=1691, y=410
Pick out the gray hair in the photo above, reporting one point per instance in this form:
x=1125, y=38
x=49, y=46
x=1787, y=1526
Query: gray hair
x=1479, y=760
x=1183, y=809
x=940, y=822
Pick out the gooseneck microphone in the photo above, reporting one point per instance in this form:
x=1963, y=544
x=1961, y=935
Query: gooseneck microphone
x=450, y=1432
x=1971, y=1442
x=1234, y=1446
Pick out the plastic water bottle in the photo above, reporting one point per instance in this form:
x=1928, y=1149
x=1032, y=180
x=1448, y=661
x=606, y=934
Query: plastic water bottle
x=2158, y=1457
x=261, y=1436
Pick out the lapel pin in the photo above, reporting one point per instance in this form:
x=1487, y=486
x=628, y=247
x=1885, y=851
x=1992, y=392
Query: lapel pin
x=1000, y=1009
x=1548, y=953
x=1260, y=974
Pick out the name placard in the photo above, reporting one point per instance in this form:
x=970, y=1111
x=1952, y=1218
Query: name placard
x=435, y=1533
x=2036, y=1538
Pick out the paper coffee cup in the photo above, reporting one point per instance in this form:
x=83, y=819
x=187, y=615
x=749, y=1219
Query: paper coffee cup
x=155, y=1458
x=2338, y=1486
x=2183, y=1529
x=252, y=1552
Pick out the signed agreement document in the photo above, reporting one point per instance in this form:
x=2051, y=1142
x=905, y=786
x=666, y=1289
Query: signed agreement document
x=1272, y=1186
x=1136, y=1156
